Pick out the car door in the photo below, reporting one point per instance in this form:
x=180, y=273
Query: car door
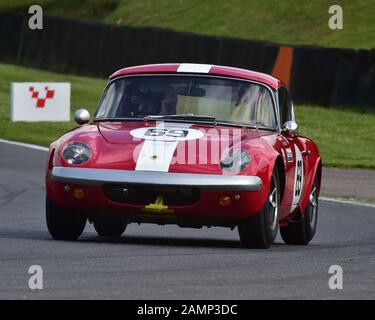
x=292, y=155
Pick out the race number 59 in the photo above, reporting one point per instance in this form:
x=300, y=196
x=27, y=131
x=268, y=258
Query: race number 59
x=174, y=133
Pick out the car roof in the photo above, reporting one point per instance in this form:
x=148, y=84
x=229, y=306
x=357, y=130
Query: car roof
x=194, y=68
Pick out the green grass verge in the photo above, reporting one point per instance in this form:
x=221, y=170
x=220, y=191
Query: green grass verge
x=282, y=21
x=346, y=138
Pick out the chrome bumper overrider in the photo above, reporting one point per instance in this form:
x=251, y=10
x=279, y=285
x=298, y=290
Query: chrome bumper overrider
x=87, y=176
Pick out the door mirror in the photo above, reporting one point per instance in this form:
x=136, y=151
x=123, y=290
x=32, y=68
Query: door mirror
x=290, y=129
x=82, y=116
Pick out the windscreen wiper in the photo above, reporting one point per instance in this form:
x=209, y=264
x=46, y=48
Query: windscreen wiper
x=187, y=116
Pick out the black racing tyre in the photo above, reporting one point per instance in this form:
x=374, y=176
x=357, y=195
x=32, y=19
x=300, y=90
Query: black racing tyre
x=261, y=230
x=301, y=232
x=63, y=224
x=109, y=227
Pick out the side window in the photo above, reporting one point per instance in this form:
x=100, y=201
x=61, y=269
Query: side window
x=286, y=106
x=113, y=100
x=265, y=111
x=106, y=102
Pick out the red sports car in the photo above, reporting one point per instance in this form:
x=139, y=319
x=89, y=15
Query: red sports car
x=187, y=144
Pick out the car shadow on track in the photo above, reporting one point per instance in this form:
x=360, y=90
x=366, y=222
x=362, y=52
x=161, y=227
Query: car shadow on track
x=21, y=234
x=176, y=242
x=91, y=238
x=165, y=241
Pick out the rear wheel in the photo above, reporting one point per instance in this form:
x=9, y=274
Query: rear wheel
x=301, y=232
x=107, y=227
x=63, y=224
x=261, y=230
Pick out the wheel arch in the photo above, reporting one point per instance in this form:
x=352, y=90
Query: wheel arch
x=319, y=174
x=316, y=170
x=279, y=164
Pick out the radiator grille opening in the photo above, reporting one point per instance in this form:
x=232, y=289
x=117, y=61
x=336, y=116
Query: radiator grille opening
x=144, y=195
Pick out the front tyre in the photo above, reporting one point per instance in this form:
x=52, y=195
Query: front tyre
x=261, y=230
x=301, y=232
x=107, y=227
x=63, y=224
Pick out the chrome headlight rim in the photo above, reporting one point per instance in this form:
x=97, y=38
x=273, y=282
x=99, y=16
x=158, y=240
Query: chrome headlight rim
x=235, y=161
x=81, y=150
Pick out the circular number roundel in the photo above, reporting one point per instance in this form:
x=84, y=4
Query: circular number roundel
x=166, y=133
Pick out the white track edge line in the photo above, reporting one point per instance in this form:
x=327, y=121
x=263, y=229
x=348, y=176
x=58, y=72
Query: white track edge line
x=357, y=203
x=25, y=145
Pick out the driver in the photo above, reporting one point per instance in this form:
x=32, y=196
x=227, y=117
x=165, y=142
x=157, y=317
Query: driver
x=169, y=103
x=162, y=101
x=150, y=103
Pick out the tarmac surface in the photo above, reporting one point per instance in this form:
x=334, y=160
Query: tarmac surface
x=154, y=262
x=349, y=183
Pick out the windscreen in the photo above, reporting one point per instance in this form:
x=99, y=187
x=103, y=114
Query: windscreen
x=227, y=100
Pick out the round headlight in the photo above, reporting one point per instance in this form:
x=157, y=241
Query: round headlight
x=77, y=153
x=235, y=161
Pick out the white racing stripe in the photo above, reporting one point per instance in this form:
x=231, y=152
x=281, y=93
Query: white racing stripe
x=194, y=68
x=156, y=155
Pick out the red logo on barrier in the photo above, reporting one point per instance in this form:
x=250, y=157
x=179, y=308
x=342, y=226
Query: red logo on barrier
x=40, y=102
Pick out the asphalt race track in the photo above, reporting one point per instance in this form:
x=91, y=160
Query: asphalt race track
x=158, y=262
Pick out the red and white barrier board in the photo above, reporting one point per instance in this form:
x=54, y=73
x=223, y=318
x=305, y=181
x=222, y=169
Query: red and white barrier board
x=40, y=101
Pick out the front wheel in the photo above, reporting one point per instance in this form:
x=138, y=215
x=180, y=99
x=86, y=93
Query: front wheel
x=63, y=224
x=107, y=227
x=301, y=232
x=261, y=230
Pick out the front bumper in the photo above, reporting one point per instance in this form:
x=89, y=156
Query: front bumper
x=97, y=177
